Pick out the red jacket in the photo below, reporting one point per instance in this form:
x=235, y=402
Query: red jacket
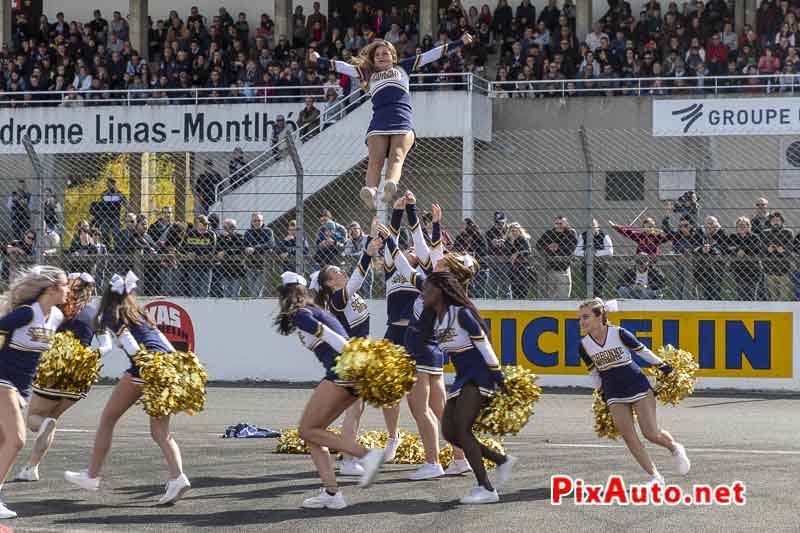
x=718, y=52
x=646, y=243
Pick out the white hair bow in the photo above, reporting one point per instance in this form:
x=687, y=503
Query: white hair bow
x=466, y=260
x=84, y=277
x=314, y=284
x=612, y=306
x=288, y=278
x=124, y=285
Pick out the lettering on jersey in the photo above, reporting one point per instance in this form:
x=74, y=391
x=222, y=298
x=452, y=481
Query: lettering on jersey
x=358, y=304
x=43, y=335
x=391, y=74
x=399, y=279
x=446, y=335
x=608, y=357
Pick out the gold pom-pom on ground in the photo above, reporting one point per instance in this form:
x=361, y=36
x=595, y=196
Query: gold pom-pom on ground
x=446, y=453
x=678, y=385
x=68, y=366
x=507, y=413
x=383, y=372
x=174, y=382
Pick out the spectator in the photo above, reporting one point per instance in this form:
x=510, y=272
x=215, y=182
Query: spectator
x=761, y=217
x=495, y=264
x=778, y=241
x=603, y=247
x=17, y=251
x=109, y=209
x=230, y=247
x=339, y=231
x=258, y=241
x=471, y=241
x=332, y=108
x=309, y=119
x=279, y=133
x=82, y=243
x=237, y=168
x=199, y=248
x=557, y=246
x=648, y=239
x=159, y=229
x=171, y=270
x=643, y=282
x=746, y=251
x=708, y=268
x=19, y=207
x=205, y=189
x=355, y=244
x=329, y=246
x=684, y=243
x=288, y=246
x=517, y=249
x=53, y=212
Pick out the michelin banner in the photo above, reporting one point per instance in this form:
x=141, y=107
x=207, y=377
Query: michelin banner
x=726, y=116
x=737, y=346
x=145, y=128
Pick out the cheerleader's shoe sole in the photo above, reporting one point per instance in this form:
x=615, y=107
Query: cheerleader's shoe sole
x=368, y=196
x=82, y=480
x=372, y=464
x=681, y=459
x=6, y=513
x=389, y=192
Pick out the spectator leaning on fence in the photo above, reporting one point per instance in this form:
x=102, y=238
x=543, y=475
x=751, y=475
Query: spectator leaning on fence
x=19, y=207
x=708, y=265
x=760, y=221
x=258, y=241
x=517, y=250
x=230, y=249
x=778, y=241
x=603, y=247
x=557, y=246
x=746, y=250
x=199, y=247
x=648, y=239
x=644, y=281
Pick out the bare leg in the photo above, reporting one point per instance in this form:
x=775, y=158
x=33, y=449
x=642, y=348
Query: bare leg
x=427, y=424
x=352, y=419
x=12, y=428
x=39, y=409
x=159, y=430
x=391, y=415
x=377, y=146
x=438, y=398
x=622, y=414
x=124, y=396
x=398, y=149
x=646, y=409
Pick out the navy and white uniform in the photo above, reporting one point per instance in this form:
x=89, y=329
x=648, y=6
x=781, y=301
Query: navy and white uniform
x=135, y=338
x=459, y=334
x=389, y=89
x=323, y=334
x=402, y=290
x=82, y=326
x=348, y=306
x=25, y=333
x=612, y=367
x=429, y=358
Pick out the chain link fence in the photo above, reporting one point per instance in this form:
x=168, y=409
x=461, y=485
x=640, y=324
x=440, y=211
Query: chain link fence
x=548, y=214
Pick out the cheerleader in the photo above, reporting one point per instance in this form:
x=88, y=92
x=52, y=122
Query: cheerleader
x=322, y=333
x=338, y=294
x=31, y=318
x=457, y=328
x=608, y=353
x=391, y=133
x=47, y=405
x=120, y=313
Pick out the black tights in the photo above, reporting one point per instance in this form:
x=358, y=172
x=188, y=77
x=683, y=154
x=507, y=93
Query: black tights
x=457, y=420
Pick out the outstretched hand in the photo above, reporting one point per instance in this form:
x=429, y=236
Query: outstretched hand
x=436, y=211
x=410, y=198
x=313, y=56
x=400, y=203
x=467, y=38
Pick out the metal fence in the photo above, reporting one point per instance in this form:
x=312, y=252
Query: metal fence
x=523, y=203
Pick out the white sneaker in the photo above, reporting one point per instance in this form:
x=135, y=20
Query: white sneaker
x=350, y=467
x=46, y=429
x=176, y=488
x=5, y=512
x=503, y=473
x=681, y=459
x=29, y=473
x=82, y=479
x=369, y=195
x=458, y=467
x=656, y=479
x=324, y=500
x=480, y=495
x=427, y=471
x=392, y=443
x=389, y=192
x=371, y=463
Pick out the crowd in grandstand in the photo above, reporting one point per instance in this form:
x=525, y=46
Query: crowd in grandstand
x=245, y=60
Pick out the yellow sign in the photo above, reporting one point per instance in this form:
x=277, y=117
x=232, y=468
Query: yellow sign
x=729, y=345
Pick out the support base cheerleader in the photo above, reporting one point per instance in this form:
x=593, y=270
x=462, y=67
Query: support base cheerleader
x=142, y=342
x=322, y=333
x=29, y=323
x=608, y=353
x=390, y=135
x=66, y=371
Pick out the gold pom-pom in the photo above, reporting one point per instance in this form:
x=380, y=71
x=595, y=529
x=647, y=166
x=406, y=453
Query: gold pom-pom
x=174, y=382
x=290, y=442
x=603, y=422
x=507, y=413
x=673, y=388
x=383, y=372
x=68, y=366
x=446, y=453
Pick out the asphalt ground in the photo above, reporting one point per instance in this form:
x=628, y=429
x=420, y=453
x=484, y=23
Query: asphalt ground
x=242, y=485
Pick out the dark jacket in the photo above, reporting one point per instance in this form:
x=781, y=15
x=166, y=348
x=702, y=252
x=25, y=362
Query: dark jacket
x=655, y=278
x=559, y=259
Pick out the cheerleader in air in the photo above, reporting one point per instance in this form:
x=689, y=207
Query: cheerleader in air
x=338, y=294
x=322, y=333
x=27, y=327
x=47, y=404
x=608, y=353
x=120, y=314
x=391, y=132
x=427, y=397
x=455, y=325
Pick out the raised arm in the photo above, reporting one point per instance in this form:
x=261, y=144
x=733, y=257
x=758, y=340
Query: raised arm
x=340, y=298
x=437, y=243
x=305, y=321
x=642, y=351
x=420, y=246
x=339, y=67
x=410, y=64
x=403, y=266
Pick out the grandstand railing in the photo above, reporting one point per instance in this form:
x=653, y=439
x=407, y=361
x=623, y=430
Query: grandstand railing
x=670, y=86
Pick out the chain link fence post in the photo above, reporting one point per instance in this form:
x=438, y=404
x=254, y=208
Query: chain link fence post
x=588, y=241
x=299, y=254
x=41, y=232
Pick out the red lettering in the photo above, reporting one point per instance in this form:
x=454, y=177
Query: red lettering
x=559, y=486
x=722, y=494
x=639, y=494
x=593, y=493
x=702, y=495
x=655, y=494
x=672, y=495
x=615, y=490
x=738, y=493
